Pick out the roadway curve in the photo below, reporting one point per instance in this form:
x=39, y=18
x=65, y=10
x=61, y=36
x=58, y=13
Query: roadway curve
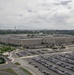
x=5, y=73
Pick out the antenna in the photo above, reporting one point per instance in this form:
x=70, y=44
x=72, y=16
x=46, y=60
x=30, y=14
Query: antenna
x=15, y=28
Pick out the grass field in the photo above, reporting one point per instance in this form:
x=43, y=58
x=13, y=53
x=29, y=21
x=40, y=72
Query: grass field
x=9, y=70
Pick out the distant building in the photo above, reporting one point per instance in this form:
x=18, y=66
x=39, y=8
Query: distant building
x=23, y=40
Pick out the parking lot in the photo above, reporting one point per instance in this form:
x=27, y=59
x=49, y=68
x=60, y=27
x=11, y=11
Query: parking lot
x=31, y=52
x=57, y=64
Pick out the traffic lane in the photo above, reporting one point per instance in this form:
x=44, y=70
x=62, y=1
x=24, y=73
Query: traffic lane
x=9, y=65
x=27, y=66
x=33, y=70
x=41, y=67
x=19, y=71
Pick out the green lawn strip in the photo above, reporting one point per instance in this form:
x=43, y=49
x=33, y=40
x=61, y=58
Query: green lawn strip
x=17, y=63
x=9, y=70
x=2, y=60
x=26, y=71
x=1, y=74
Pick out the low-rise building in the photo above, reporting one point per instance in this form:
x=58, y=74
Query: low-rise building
x=12, y=39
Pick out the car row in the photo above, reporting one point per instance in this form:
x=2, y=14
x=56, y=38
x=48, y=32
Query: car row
x=32, y=52
x=51, y=67
x=57, y=62
x=67, y=60
x=68, y=55
x=42, y=70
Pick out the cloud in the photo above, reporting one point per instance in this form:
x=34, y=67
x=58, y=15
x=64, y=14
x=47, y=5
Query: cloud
x=44, y=14
x=63, y=2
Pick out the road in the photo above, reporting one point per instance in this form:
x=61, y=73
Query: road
x=5, y=73
x=19, y=71
x=27, y=66
x=12, y=66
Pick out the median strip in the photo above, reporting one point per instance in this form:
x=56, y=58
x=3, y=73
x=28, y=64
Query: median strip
x=26, y=71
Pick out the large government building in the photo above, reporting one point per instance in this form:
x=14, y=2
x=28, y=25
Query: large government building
x=34, y=40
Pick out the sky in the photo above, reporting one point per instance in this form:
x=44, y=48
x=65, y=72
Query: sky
x=37, y=14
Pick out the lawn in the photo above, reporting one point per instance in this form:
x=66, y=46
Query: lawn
x=17, y=63
x=2, y=60
x=1, y=74
x=9, y=70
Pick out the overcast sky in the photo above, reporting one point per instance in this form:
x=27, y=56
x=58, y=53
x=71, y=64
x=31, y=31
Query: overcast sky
x=37, y=14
